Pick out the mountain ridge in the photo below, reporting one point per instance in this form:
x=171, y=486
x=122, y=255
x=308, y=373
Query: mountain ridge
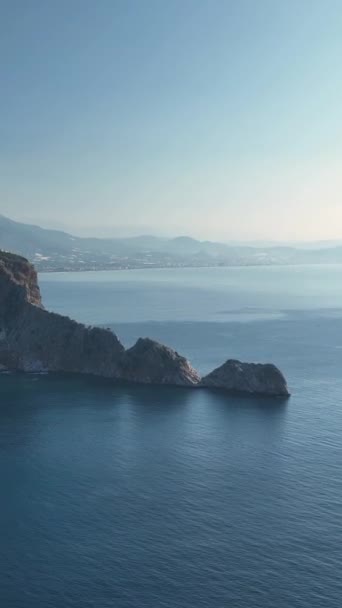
x=52, y=250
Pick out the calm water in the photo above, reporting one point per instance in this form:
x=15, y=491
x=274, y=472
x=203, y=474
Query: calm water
x=138, y=497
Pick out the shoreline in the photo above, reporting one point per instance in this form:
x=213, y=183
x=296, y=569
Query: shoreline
x=232, y=266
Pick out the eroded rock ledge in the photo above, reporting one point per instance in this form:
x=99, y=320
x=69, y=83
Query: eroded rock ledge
x=33, y=339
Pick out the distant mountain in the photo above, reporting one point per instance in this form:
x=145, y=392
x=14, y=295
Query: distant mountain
x=27, y=239
x=58, y=250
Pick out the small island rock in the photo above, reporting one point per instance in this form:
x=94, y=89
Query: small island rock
x=253, y=378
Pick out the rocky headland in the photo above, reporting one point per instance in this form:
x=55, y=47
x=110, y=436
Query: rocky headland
x=33, y=339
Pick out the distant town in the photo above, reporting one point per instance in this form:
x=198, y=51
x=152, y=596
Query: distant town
x=57, y=251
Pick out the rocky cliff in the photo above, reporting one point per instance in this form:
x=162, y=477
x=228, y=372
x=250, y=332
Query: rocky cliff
x=33, y=339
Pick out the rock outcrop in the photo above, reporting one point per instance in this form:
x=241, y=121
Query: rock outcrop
x=18, y=283
x=153, y=363
x=253, y=378
x=33, y=339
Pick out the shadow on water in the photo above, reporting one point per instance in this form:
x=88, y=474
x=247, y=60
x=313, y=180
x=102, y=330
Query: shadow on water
x=106, y=392
x=42, y=404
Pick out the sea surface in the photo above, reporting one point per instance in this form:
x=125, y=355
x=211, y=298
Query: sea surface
x=160, y=497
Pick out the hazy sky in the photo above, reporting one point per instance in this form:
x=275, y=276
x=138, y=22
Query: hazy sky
x=215, y=118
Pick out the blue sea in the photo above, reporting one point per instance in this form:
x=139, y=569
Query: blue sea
x=159, y=497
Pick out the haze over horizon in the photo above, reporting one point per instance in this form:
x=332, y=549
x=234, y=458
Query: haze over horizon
x=215, y=119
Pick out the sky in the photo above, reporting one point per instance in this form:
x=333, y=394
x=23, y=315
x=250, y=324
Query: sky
x=219, y=119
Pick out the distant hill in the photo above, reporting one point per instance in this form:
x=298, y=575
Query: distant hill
x=27, y=239
x=52, y=250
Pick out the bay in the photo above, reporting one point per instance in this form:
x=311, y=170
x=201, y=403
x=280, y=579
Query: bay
x=159, y=496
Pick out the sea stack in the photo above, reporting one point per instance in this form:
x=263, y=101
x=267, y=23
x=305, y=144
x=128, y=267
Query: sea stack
x=249, y=378
x=33, y=339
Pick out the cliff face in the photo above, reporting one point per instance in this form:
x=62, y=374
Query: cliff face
x=33, y=339
x=19, y=285
x=16, y=270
